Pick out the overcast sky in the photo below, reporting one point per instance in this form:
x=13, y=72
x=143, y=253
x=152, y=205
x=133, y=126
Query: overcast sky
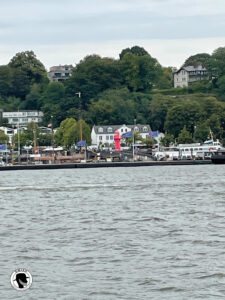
x=65, y=31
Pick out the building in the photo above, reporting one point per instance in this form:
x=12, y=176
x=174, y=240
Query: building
x=23, y=117
x=105, y=134
x=185, y=76
x=60, y=73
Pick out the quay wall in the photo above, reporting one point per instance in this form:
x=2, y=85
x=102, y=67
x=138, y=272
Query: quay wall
x=105, y=165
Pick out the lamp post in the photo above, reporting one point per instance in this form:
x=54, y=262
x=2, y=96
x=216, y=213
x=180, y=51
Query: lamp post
x=133, y=137
x=81, y=132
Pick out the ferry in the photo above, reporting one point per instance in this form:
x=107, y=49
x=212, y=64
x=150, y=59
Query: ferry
x=189, y=151
x=199, y=151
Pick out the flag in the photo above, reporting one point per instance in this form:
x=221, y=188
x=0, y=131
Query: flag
x=3, y=147
x=81, y=144
x=127, y=135
x=154, y=134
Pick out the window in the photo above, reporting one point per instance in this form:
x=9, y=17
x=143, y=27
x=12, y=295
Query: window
x=109, y=129
x=183, y=79
x=100, y=138
x=100, y=129
x=145, y=129
x=111, y=137
x=121, y=130
x=107, y=137
x=136, y=129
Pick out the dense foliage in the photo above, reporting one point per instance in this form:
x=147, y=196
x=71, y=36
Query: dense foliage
x=117, y=91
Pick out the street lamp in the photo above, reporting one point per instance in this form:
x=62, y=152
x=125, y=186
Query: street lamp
x=133, y=137
x=81, y=133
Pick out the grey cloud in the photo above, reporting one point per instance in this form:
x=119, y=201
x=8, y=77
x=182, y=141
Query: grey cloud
x=114, y=27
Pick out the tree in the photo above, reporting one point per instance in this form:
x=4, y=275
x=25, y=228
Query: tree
x=167, y=140
x=66, y=135
x=201, y=132
x=184, y=136
x=158, y=108
x=214, y=124
x=149, y=141
x=180, y=115
x=221, y=85
x=165, y=79
x=216, y=64
x=33, y=98
x=92, y=76
x=83, y=127
x=136, y=50
x=30, y=65
x=139, y=73
x=197, y=59
x=5, y=81
x=113, y=107
x=3, y=137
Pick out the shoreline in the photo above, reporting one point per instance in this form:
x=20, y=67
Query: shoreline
x=106, y=165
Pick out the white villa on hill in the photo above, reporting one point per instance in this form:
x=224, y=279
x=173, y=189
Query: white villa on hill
x=105, y=134
x=187, y=75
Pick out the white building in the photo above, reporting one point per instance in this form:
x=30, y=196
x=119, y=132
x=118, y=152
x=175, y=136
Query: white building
x=60, y=73
x=105, y=134
x=23, y=117
x=187, y=75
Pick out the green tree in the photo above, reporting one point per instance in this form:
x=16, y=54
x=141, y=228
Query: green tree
x=45, y=140
x=214, y=123
x=216, y=65
x=66, y=135
x=86, y=131
x=54, y=93
x=91, y=76
x=33, y=98
x=165, y=79
x=184, y=136
x=32, y=67
x=180, y=115
x=197, y=59
x=5, y=81
x=158, y=109
x=167, y=140
x=136, y=50
x=139, y=73
x=3, y=137
x=201, y=132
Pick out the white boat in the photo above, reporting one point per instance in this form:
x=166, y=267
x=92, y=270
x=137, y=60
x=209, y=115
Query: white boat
x=199, y=151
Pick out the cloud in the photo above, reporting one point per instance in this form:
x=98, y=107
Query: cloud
x=101, y=24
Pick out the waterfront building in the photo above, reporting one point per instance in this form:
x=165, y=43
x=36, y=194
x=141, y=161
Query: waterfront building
x=23, y=117
x=105, y=134
x=185, y=76
x=60, y=73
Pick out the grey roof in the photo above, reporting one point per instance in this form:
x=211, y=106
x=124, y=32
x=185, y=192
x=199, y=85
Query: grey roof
x=115, y=127
x=191, y=69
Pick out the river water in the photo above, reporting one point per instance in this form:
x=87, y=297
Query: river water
x=114, y=233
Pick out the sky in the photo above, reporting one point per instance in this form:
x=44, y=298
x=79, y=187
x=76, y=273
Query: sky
x=65, y=31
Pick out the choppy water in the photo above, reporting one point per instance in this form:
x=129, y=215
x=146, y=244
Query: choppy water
x=117, y=233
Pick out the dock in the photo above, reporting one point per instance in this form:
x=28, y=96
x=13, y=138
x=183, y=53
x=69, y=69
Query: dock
x=105, y=165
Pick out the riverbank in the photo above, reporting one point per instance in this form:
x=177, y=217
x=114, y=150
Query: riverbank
x=106, y=165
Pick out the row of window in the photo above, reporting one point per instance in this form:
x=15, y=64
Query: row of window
x=107, y=137
x=109, y=129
